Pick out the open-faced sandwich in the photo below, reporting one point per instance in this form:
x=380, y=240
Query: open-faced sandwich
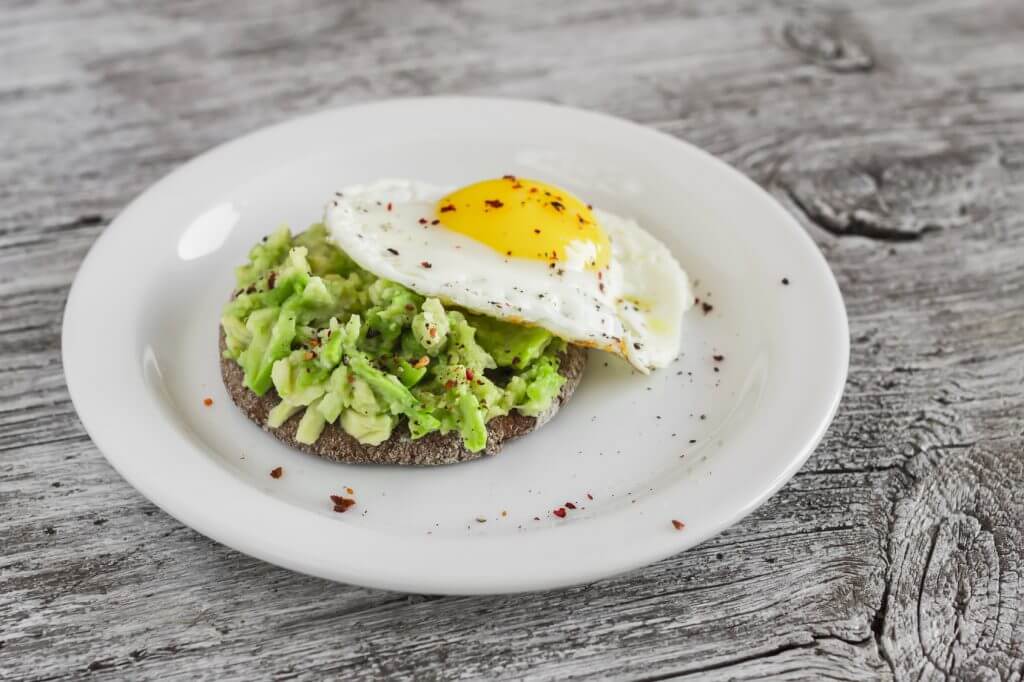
x=417, y=325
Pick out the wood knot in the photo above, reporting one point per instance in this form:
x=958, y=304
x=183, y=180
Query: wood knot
x=825, y=45
x=954, y=567
x=891, y=194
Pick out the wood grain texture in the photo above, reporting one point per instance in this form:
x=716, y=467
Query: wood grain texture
x=893, y=130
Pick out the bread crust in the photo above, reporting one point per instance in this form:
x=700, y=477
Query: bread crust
x=430, y=450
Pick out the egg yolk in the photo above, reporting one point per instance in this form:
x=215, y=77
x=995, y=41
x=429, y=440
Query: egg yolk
x=522, y=218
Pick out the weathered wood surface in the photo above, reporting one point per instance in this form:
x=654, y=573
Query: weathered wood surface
x=893, y=130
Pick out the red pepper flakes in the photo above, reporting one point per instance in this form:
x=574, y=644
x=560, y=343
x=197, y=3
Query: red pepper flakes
x=450, y=384
x=678, y=525
x=423, y=221
x=410, y=307
x=558, y=206
x=718, y=358
x=446, y=209
x=560, y=512
x=570, y=505
x=342, y=504
x=276, y=473
x=504, y=513
x=426, y=264
x=207, y=401
x=271, y=279
x=508, y=177
x=350, y=491
x=494, y=203
x=706, y=307
x=435, y=222
x=469, y=374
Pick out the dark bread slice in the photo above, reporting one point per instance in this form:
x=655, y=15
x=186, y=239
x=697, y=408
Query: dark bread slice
x=432, y=449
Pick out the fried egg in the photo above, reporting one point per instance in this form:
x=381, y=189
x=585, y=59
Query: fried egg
x=525, y=252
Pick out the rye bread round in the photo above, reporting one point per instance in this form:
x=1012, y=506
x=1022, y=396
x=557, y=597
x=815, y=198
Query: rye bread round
x=400, y=448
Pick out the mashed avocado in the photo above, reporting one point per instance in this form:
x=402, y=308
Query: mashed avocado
x=344, y=346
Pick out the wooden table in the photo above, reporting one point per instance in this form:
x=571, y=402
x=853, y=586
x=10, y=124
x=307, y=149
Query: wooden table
x=894, y=131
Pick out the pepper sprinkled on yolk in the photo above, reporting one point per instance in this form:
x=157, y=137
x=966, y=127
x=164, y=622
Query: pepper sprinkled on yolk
x=523, y=218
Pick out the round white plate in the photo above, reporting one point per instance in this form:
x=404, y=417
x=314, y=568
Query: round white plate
x=631, y=452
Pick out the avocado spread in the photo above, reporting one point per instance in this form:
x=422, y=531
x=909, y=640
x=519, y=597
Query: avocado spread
x=342, y=345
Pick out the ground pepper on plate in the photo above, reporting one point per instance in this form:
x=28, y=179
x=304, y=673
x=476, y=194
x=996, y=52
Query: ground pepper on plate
x=342, y=504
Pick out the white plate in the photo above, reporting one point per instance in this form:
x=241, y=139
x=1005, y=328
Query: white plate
x=686, y=443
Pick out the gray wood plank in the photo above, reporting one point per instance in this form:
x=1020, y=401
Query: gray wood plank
x=893, y=130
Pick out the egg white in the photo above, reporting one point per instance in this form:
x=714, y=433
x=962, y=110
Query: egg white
x=386, y=227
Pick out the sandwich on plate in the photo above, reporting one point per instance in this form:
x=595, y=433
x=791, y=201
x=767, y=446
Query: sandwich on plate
x=424, y=325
